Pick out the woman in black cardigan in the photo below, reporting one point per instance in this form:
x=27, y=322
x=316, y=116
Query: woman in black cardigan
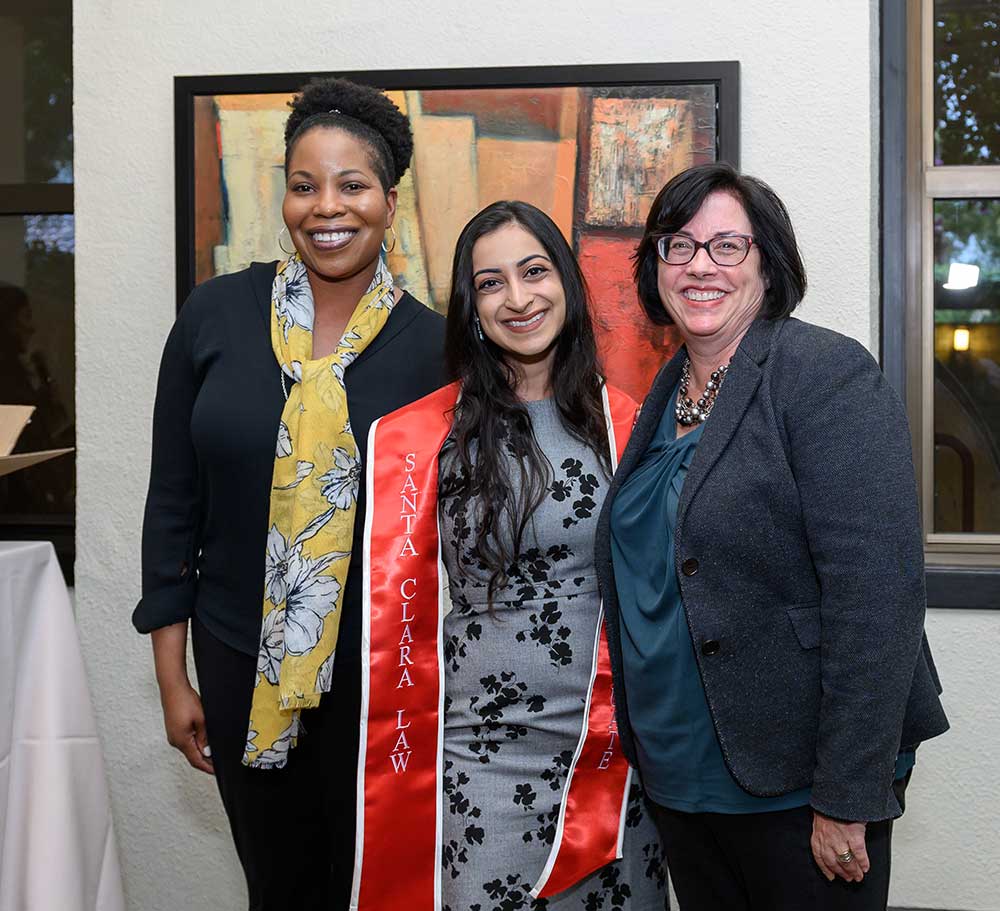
x=762, y=571
x=218, y=501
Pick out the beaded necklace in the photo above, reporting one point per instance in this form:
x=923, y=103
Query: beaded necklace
x=688, y=412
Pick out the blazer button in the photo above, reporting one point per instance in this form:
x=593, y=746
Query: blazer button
x=710, y=647
x=690, y=566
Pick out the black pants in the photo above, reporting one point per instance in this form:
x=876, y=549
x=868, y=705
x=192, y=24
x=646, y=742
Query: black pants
x=293, y=827
x=764, y=862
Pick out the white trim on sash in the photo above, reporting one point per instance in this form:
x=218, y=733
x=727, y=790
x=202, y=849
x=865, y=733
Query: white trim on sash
x=619, y=853
x=609, y=420
x=584, y=730
x=613, y=443
x=366, y=647
x=438, y=818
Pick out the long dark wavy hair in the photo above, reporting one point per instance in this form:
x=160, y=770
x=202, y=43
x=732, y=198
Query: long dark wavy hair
x=491, y=439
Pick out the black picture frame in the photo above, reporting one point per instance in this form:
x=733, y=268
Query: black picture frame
x=723, y=76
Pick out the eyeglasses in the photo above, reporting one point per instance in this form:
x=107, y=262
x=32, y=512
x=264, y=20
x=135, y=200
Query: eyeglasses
x=723, y=249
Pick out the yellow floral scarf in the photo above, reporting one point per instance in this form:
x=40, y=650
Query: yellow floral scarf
x=313, y=498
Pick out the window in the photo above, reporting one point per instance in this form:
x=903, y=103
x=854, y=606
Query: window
x=941, y=276
x=36, y=266
x=961, y=274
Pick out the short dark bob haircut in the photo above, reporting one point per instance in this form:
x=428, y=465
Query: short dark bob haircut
x=679, y=201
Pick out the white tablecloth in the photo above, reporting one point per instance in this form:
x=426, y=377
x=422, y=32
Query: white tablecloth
x=57, y=843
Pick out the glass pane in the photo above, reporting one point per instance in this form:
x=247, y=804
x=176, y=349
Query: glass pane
x=966, y=85
x=967, y=365
x=37, y=362
x=36, y=93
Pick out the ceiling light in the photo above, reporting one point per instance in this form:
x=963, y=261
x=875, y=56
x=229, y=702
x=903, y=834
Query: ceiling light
x=962, y=276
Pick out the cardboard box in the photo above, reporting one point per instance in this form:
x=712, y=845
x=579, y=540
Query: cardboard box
x=13, y=419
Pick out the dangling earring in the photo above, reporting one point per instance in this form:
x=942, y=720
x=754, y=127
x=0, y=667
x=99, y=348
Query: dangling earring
x=479, y=327
x=284, y=229
x=388, y=250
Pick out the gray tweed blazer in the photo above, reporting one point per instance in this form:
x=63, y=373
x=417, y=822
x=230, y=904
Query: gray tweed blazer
x=800, y=559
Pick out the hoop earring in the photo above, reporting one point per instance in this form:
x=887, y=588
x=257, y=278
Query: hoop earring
x=388, y=250
x=284, y=230
x=479, y=327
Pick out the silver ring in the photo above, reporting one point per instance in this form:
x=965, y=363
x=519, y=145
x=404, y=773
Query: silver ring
x=846, y=857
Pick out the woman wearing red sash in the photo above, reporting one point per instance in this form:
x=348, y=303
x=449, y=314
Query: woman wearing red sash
x=488, y=724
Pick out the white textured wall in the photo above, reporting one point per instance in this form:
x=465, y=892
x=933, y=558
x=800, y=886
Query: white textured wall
x=808, y=74
x=947, y=844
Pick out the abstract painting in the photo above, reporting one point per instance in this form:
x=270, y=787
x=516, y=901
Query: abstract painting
x=589, y=150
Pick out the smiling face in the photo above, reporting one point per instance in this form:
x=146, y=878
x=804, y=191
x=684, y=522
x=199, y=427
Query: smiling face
x=519, y=294
x=710, y=303
x=335, y=208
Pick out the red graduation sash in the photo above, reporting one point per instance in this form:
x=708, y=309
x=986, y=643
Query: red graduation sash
x=400, y=766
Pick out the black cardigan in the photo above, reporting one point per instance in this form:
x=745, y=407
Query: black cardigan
x=218, y=404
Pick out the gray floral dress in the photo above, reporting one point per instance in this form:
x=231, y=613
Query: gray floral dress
x=515, y=687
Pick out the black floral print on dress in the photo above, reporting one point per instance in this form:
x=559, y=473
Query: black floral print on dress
x=516, y=678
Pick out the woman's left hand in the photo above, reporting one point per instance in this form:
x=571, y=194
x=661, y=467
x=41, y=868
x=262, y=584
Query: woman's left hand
x=831, y=837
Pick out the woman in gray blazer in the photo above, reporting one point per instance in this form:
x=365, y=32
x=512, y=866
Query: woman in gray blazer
x=762, y=571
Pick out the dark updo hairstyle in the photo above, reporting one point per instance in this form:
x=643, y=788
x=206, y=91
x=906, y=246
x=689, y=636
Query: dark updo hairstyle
x=679, y=201
x=360, y=110
x=491, y=431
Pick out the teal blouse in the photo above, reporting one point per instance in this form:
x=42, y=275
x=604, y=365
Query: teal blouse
x=679, y=754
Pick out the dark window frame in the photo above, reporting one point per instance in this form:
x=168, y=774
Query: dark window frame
x=948, y=585
x=21, y=199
